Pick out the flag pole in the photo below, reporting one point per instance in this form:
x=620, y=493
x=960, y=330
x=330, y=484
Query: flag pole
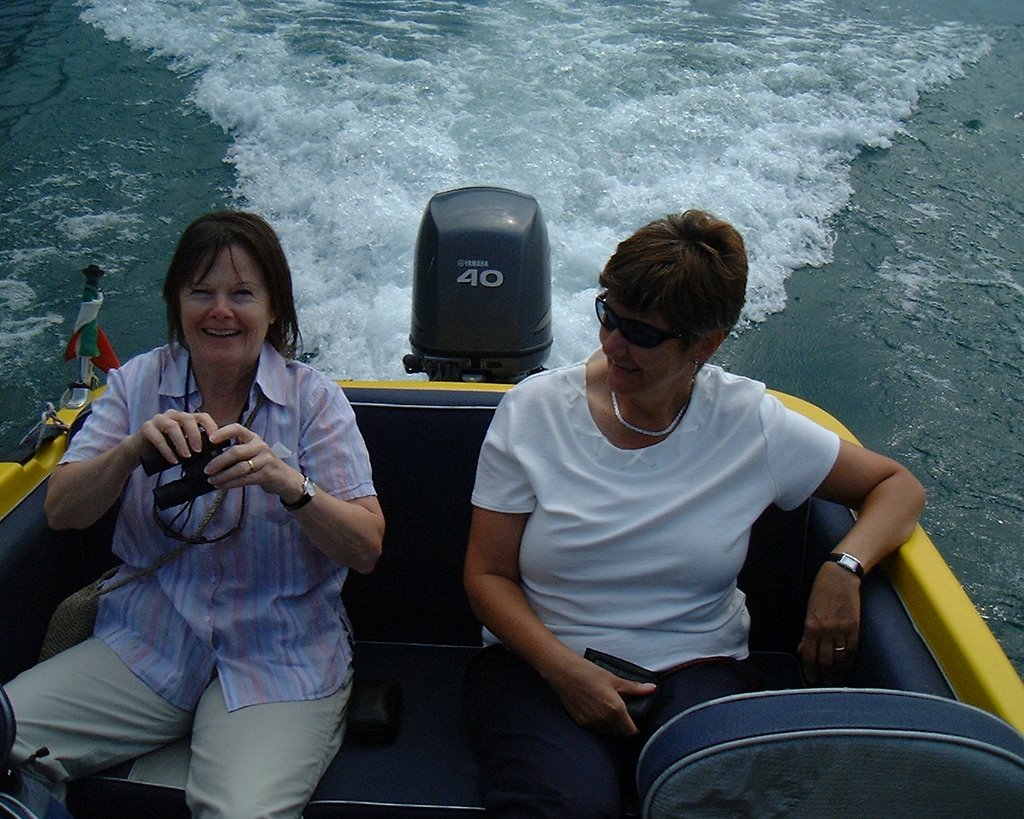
x=88, y=343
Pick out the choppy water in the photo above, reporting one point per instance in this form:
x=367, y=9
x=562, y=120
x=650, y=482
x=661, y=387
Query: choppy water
x=872, y=157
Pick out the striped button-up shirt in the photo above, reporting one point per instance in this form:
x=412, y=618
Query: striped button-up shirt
x=262, y=607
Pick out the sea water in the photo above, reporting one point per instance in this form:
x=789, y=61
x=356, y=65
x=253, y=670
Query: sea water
x=871, y=155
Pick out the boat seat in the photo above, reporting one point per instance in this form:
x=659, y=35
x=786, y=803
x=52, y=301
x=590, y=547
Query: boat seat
x=833, y=752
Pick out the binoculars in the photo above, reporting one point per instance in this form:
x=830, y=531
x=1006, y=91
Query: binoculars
x=193, y=481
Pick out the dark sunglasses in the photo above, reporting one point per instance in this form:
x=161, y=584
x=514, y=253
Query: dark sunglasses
x=635, y=332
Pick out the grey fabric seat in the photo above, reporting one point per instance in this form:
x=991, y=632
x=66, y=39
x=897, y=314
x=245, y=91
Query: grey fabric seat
x=833, y=752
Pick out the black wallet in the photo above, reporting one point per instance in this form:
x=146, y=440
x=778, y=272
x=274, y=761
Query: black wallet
x=637, y=706
x=374, y=711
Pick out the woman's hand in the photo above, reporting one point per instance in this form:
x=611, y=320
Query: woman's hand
x=596, y=698
x=79, y=492
x=250, y=462
x=832, y=626
x=176, y=435
x=888, y=500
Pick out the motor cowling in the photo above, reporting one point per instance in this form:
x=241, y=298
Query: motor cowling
x=481, y=305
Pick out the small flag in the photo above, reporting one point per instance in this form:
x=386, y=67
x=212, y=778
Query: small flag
x=88, y=339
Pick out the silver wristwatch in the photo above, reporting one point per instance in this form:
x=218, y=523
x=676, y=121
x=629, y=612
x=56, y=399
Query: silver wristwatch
x=308, y=491
x=848, y=562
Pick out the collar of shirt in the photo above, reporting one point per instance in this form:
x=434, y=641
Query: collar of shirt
x=271, y=378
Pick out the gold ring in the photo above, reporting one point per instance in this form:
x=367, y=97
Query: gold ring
x=251, y=467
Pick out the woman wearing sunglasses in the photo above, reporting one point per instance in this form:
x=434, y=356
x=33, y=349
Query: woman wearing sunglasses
x=612, y=511
x=230, y=626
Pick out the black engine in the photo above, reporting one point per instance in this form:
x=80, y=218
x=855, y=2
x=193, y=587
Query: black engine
x=481, y=306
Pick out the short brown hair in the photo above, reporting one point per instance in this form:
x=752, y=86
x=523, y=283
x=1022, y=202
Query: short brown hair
x=688, y=268
x=197, y=250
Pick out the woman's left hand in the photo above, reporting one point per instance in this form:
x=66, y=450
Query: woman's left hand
x=250, y=462
x=832, y=626
x=888, y=500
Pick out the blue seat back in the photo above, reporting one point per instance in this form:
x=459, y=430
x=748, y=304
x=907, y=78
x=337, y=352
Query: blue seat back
x=833, y=752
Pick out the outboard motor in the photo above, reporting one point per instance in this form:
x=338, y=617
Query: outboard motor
x=481, y=302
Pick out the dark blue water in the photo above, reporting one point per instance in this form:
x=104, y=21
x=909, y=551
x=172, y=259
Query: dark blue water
x=872, y=156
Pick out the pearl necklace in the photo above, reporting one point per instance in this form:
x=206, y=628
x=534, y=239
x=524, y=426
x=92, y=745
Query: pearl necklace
x=652, y=433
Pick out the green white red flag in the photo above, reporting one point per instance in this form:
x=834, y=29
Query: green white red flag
x=88, y=339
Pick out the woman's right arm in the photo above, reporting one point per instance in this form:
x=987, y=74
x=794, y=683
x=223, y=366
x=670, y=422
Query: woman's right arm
x=79, y=492
x=591, y=695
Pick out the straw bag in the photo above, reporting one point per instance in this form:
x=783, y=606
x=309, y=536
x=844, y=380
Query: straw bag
x=73, y=620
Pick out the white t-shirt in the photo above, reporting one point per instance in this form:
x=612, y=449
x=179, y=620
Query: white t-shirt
x=636, y=552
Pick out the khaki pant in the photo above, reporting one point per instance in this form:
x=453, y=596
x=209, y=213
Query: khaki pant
x=92, y=712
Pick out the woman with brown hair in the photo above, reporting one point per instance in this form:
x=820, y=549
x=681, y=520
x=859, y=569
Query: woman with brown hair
x=230, y=627
x=612, y=511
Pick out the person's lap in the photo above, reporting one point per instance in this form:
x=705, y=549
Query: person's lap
x=90, y=712
x=536, y=761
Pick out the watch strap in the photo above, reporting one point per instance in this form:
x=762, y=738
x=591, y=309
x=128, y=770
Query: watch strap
x=308, y=490
x=848, y=562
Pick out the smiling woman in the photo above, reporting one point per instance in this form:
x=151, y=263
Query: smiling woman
x=688, y=270
x=225, y=315
x=227, y=619
x=263, y=262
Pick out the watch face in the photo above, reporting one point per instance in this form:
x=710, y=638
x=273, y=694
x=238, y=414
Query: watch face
x=851, y=563
x=308, y=491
